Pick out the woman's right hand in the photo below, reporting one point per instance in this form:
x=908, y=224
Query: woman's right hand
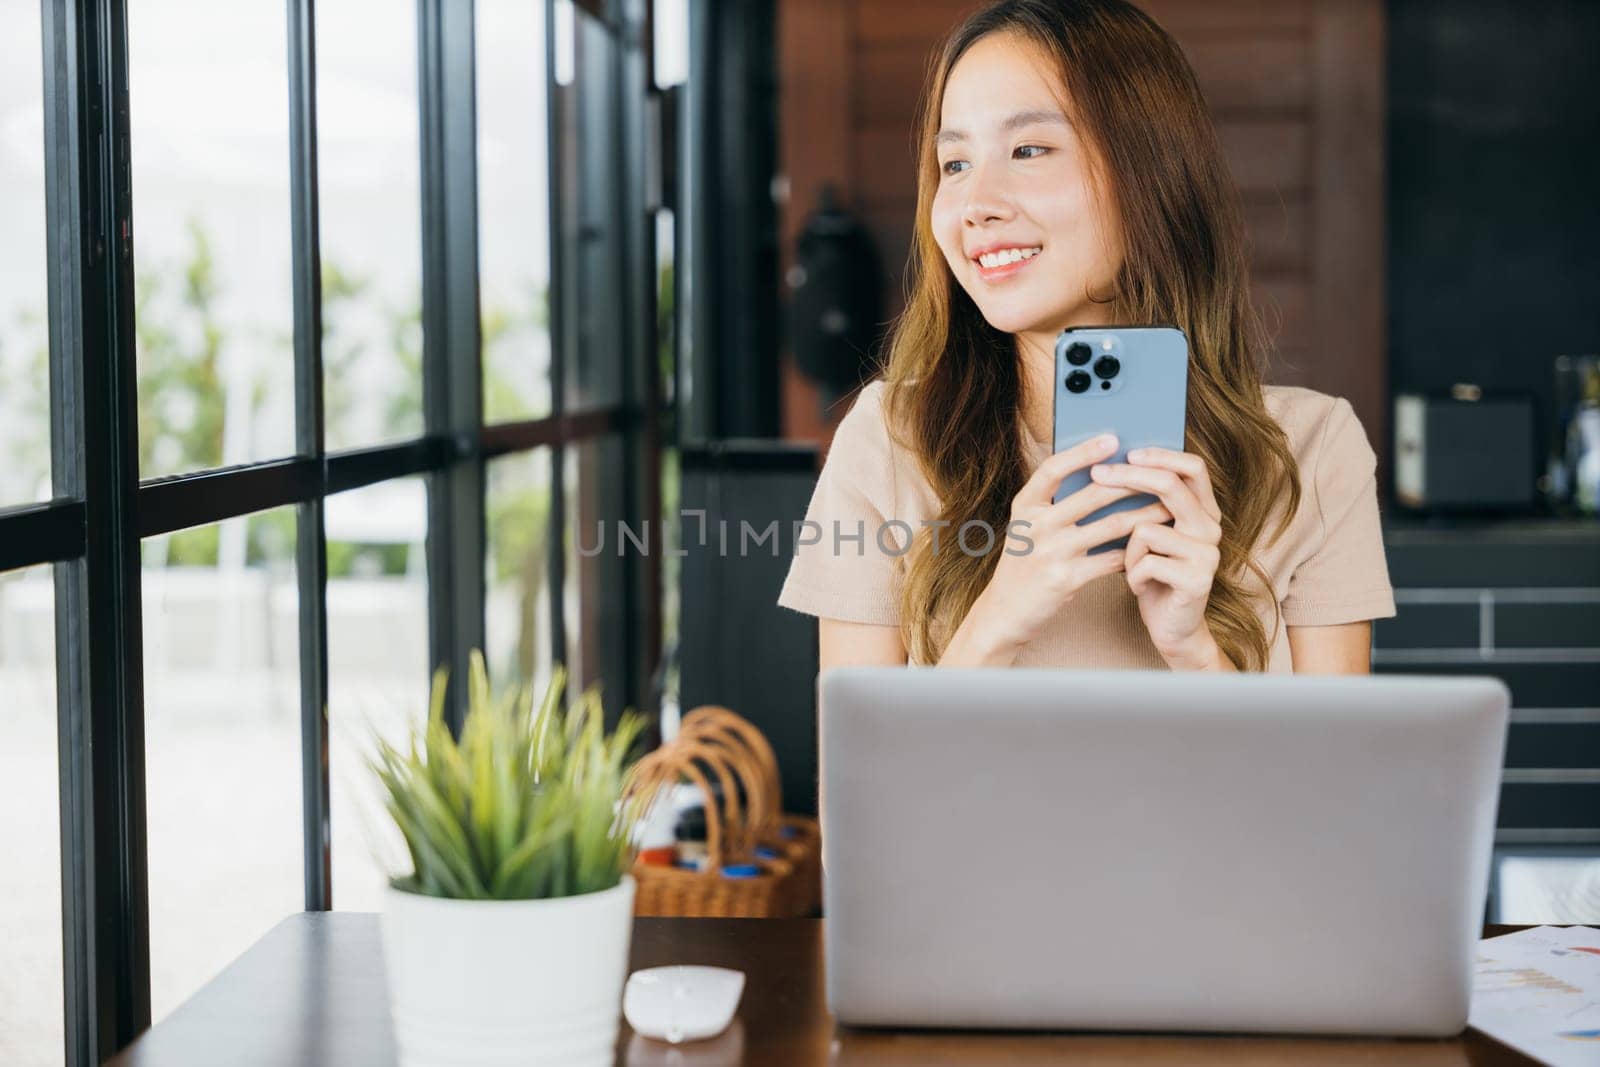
x=1030, y=585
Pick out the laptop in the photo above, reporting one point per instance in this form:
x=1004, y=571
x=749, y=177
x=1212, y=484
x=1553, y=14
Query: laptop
x=1034, y=848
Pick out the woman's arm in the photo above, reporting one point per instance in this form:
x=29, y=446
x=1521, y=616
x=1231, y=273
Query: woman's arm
x=1342, y=649
x=853, y=644
x=858, y=644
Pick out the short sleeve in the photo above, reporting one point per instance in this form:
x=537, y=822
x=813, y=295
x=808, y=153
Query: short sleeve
x=847, y=552
x=1345, y=577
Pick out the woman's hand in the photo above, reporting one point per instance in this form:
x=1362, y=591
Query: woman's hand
x=1032, y=582
x=1170, y=568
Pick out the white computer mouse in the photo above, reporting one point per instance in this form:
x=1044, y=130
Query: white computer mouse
x=681, y=1003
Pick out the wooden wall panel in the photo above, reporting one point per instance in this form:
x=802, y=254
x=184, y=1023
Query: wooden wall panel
x=1348, y=241
x=1291, y=366
x=891, y=84
x=1254, y=74
x=1285, y=305
x=885, y=166
x=1295, y=87
x=921, y=24
x=1183, y=18
x=927, y=21
x=1267, y=155
x=816, y=79
x=1279, y=229
x=891, y=229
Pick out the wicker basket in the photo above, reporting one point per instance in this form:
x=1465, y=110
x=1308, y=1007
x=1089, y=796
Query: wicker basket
x=795, y=838
x=731, y=836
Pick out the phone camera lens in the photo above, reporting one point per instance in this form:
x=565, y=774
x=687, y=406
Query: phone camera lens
x=1107, y=366
x=1078, y=381
x=1078, y=354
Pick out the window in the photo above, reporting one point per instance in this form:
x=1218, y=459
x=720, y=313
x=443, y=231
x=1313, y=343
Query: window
x=598, y=546
x=30, y=839
x=518, y=568
x=221, y=744
x=299, y=420
x=592, y=223
x=368, y=192
x=24, y=340
x=377, y=664
x=514, y=209
x=213, y=304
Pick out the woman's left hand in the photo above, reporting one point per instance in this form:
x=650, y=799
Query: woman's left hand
x=1170, y=568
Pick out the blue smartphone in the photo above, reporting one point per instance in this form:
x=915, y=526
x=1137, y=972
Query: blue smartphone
x=1132, y=381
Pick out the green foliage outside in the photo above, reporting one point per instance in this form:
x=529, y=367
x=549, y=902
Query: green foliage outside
x=181, y=342
x=182, y=408
x=499, y=325
x=180, y=386
x=666, y=317
x=518, y=522
x=28, y=442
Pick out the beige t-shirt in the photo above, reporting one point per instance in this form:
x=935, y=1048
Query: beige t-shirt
x=1328, y=567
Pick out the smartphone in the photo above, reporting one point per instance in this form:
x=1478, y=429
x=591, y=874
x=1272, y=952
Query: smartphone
x=1132, y=381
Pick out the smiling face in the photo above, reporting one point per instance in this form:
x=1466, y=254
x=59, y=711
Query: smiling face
x=1017, y=211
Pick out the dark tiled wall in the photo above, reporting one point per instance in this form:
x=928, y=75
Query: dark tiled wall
x=1493, y=221
x=1519, y=600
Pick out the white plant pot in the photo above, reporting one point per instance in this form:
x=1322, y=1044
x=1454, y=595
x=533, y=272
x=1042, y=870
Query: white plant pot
x=507, y=981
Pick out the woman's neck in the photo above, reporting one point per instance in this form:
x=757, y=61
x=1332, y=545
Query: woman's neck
x=1036, y=366
x=1036, y=361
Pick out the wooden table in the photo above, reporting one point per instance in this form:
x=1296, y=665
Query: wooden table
x=311, y=992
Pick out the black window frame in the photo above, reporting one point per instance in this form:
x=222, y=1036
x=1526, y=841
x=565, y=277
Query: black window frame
x=92, y=529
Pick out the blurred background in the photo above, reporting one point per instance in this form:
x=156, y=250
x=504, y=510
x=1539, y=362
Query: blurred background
x=590, y=262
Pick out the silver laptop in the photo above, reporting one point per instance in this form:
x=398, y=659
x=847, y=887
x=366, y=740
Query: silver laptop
x=1144, y=850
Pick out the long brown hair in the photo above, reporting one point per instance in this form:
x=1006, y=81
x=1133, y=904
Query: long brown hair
x=953, y=384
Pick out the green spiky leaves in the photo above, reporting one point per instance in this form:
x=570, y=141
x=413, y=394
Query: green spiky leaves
x=526, y=805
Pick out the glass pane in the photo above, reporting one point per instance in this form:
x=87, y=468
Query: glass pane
x=377, y=665
x=24, y=299
x=209, y=90
x=667, y=362
x=518, y=567
x=222, y=745
x=368, y=171
x=670, y=22
x=667, y=314
x=595, y=543
x=671, y=532
x=592, y=219
x=513, y=209
x=30, y=824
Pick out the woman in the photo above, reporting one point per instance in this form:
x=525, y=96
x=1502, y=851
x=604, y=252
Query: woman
x=1072, y=132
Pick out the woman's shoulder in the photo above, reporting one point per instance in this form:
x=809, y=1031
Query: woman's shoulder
x=871, y=446
x=867, y=425
x=1316, y=423
x=1337, y=463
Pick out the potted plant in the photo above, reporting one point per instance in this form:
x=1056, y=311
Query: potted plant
x=507, y=942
